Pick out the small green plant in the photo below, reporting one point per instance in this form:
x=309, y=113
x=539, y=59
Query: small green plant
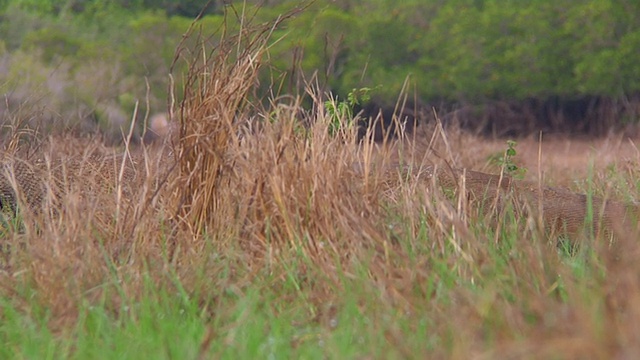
x=341, y=112
x=505, y=161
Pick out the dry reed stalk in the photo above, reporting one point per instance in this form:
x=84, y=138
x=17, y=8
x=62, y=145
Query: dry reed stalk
x=214, y=107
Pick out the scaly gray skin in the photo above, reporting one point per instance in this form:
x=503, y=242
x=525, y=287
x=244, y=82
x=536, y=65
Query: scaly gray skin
x=563, y=211
x=29, y=182
x=26, y=179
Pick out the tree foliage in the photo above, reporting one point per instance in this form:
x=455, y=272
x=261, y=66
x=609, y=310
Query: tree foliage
x=460, y=51
x=475, y=50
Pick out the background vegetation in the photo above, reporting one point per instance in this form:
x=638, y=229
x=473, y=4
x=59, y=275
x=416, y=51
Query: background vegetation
x=553, y=65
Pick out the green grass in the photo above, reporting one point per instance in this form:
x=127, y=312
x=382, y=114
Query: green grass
x=436, y=309
x=270, y=318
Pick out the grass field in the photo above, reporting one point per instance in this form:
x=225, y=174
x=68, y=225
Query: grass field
x=265, y=241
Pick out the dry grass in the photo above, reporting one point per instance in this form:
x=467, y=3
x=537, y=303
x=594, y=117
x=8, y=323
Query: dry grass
x=281, y=208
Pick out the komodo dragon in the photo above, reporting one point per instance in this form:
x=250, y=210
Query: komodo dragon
x=31, y=182
x=563, y=211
